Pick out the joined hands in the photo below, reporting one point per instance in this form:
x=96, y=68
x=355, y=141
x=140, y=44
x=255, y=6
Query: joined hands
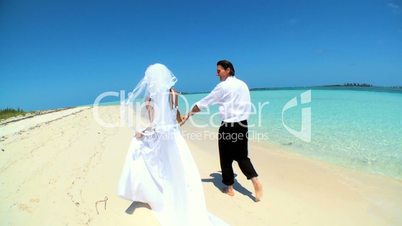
x=184, y=118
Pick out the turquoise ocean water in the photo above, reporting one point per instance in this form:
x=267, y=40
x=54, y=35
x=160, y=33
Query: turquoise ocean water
x=353, y=128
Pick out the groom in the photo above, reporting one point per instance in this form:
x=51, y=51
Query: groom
x=233, y=96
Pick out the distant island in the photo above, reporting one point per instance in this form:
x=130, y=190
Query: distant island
x=352, y=84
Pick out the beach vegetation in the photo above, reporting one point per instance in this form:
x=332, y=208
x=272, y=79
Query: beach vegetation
x=11, y=112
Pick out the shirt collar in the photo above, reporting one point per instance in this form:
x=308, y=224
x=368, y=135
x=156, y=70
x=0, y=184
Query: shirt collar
x=230, y=77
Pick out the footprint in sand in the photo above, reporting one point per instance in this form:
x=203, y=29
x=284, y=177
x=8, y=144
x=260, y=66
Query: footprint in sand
x=25, y=208
x=52, y=181
x=36, y=200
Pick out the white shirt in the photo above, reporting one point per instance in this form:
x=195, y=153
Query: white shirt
x=233, y=96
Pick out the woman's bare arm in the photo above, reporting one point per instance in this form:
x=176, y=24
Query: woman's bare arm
x=174, y=102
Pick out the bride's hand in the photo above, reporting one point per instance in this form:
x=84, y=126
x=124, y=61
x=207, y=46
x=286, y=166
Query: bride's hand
x=138, y=135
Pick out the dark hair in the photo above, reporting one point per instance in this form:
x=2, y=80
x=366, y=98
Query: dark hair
x=226, y=64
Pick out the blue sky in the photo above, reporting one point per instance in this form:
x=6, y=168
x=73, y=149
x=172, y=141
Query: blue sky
x=65, y=53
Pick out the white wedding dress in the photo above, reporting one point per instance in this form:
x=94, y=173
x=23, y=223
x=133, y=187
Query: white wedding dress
x=159, y=168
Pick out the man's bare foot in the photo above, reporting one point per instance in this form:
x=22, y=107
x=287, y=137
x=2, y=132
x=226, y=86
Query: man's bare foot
x=258, y=189
x=228, y=190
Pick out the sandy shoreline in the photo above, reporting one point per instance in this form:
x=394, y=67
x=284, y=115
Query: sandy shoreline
x=58, y=168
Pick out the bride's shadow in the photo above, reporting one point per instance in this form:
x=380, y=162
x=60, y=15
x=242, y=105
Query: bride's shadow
x=217, y=181
x=136, y=205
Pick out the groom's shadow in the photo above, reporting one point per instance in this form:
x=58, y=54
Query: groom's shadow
x=217, y=181
x=136, y=205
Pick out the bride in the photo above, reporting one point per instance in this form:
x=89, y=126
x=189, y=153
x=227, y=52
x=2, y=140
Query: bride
x=159, y=168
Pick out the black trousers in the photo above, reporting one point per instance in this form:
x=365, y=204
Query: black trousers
x=233, y=146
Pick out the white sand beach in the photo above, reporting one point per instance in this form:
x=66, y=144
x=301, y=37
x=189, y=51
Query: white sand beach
x=62, y=168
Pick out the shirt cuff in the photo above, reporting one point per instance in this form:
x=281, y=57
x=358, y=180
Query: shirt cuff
x=200, y=105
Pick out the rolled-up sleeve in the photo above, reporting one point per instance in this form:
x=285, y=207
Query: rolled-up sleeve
x=214, y=97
